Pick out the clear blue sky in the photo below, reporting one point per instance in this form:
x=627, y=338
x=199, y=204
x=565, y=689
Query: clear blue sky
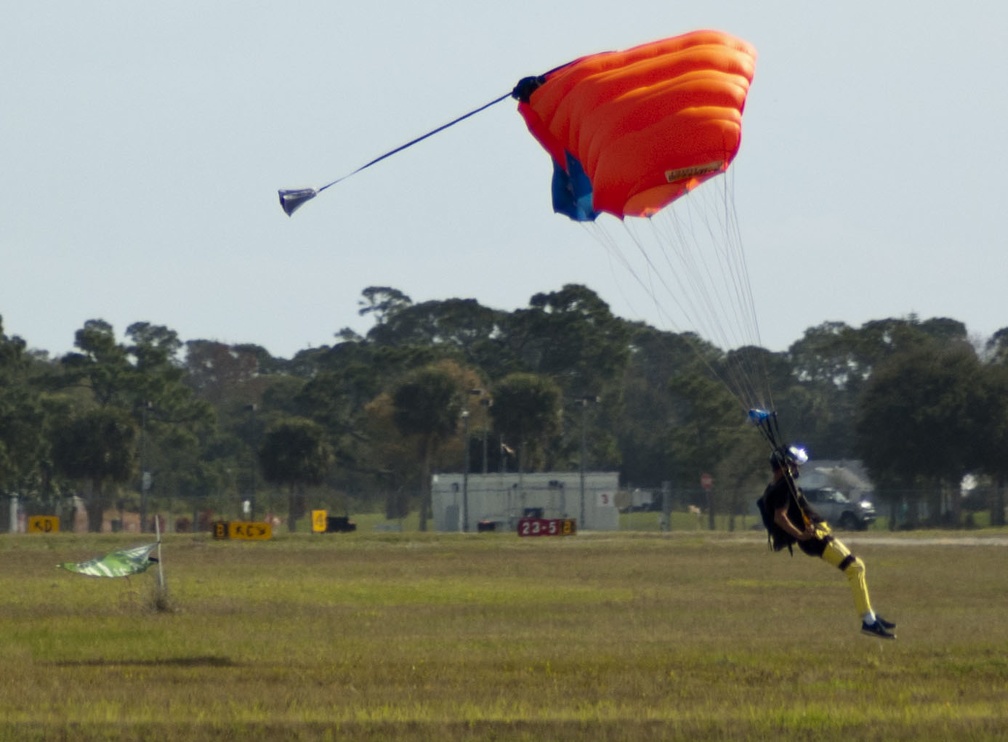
x=141, y=148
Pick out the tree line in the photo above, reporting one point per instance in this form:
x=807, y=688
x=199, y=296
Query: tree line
x=442, y=385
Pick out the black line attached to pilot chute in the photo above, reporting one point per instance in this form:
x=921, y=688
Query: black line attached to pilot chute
x=292, y=199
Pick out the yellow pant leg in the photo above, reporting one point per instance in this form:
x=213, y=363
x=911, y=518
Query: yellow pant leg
x=839, y=555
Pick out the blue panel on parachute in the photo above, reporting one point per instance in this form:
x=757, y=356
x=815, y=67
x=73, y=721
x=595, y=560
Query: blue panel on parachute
x=572, y=191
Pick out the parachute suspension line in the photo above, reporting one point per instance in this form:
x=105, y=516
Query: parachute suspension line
x=600, y=234
x=682, y=286
x=756, y=363
x=647, y=281
x=713, y=265
x=650, y=271
x=705, y=267
x=680, y=281
x=676, y=293
x=747, y=367
x=292, y=199
x=702, y=249
x=690, y=263
x=750, y=361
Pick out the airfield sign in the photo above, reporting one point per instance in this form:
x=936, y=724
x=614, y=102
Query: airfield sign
x=547, y=527
x=243, y=530
x=43, y=524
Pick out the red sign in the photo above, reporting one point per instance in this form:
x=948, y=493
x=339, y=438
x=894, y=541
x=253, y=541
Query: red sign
x=547, y=527
x=706, y=481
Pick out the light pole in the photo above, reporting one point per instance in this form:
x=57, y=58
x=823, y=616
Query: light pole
x=584, y=402
x=145, y=477
x=252, y=462
x=486, y=403
x=465, y=471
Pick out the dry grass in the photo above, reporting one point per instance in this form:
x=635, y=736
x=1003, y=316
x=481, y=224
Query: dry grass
x=410, y=636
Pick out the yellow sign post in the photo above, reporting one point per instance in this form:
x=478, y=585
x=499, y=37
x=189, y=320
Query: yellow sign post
x=242, y=530
x=319, y=521
x=43, y=524
x=249, y=531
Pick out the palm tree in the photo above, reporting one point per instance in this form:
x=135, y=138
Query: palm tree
x=427, y=405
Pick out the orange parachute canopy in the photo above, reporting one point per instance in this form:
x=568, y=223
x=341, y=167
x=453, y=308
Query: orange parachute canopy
x=629, y=132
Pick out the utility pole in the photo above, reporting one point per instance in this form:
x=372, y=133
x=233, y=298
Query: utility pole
x=486, y=403
x=252, y=463
x=584, y=402
x=465, y=471
x=145, y=477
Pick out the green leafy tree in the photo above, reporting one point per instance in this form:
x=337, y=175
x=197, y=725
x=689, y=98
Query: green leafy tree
x=457, y=328
x=992, y=438
x=222, y=374
x=386, y=457
x=879, y=340
x=996, y=348
x=174, y=422
x=337, y=397
x=295, y=454
x=146, y=379
x=346, y=380
x=23, y=448
x=381, y=302
x=98, y=447
x=918, y=423
x=527, y=411
x=427, y=405
x=832, y=365
x=247, y=391
x=102, y=365
x=572, y=337
x=648, y=411
x=707, y=431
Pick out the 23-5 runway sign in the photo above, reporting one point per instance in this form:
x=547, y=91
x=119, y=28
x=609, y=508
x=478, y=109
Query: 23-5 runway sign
x=547, y=527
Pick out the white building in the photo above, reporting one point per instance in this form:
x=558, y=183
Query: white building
x=504, y=498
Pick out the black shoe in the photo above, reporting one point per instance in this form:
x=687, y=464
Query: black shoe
x=888, y=625
x=876, y=629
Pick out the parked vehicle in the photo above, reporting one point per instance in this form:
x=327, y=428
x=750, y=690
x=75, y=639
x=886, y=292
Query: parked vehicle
x=840, y=511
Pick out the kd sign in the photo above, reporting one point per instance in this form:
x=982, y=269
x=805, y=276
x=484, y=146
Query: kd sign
x=43, y=524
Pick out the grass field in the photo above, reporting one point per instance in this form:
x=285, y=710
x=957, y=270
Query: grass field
x=689, y=635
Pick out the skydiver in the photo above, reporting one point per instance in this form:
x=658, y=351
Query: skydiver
x=784, y=499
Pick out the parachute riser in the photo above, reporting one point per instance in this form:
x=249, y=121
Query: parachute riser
x=766, y=422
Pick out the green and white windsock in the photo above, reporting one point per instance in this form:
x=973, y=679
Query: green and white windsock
x=122, y=563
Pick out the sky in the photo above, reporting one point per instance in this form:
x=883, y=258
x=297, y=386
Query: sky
x=142, y=147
